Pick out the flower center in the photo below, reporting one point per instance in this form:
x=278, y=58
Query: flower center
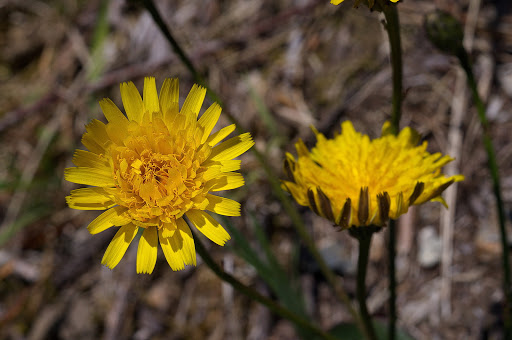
x=158, y=178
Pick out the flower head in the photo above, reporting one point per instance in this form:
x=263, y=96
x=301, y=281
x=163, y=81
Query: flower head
x=154, y=166
x=369, y=3
x=354, y=181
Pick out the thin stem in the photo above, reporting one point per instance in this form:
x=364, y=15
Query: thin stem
x=493, y=167
x=254, y=295
x=393, y=29
x=150, y=6
x=392, y=280
x=362, y=265
x=273, y=179
x=324, y=268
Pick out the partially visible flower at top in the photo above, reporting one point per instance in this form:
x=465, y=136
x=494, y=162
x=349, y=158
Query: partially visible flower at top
x=354, y=181
x=154, y=166
x=369, y=3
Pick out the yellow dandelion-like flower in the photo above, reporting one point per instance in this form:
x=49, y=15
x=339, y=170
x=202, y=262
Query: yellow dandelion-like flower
x=354, y=181
x=337, y=2
x=154, y=166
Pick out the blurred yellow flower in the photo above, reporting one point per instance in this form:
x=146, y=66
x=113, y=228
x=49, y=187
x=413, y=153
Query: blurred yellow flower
x=337, y=2
x=152, y=167
x=353, y=181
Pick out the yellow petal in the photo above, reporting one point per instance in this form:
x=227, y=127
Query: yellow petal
x=211, y=172
x=223, y=206
x=220, y=135
x=117, y=132
x=179, y=248
x=296, y=191
x=118, y=245
x=104, y=221
x=98, y=132
x=194, y=100
x=147, y=251
x=90, y=143
x=232, y=148
x=209, y=119
x=337, y=2
x=227, y=181
x=132, y=102
x=89, y=176
x=169, y=229
x=83, y=158
x=96, y=137
x=208, y=226
x=169, y=99
x=150, y=95
x=89, y=199
x=227, y=165
x=112, y=112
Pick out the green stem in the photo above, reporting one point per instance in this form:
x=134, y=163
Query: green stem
x=393, y=29
x=493, y=167
x=392, y=280
x=324, y=268
x=365, y=239
x=254, y=295
x=273, y=179
x=150, y=6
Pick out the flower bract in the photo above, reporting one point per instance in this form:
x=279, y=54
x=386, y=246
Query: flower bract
x=154, y=166
x=354, y=181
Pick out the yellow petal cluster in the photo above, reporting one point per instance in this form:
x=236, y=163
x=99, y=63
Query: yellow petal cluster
x=154, y=166
x=354, y=181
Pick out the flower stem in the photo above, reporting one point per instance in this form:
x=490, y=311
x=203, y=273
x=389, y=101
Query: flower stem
x=273, y=179
x=254, y=295
x=364, y=236
x=157, y=18
x=493, y=167
x=392, y=280
x=393, y=29
x=326, y=271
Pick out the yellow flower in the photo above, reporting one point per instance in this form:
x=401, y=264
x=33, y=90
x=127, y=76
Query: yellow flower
x=337, y=2
x=353, y=181
x=152, y=167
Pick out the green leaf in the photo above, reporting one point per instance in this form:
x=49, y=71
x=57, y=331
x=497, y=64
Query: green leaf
x=349, y=331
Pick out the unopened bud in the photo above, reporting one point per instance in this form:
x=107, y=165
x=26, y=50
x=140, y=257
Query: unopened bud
x=445, y=32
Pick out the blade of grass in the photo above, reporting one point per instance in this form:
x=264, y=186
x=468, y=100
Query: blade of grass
x=256, y=296
x=98, y=40
x=265, y=115
x=268, y=267
x=25, y=219
x=496, y=185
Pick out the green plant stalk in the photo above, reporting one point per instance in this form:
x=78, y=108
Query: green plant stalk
x=365, y=240
x=155, y=14
x=392, y=280
x=254, y=295
x=98, y=40
x=273, y=179
x=493, y=167
x=393, y=29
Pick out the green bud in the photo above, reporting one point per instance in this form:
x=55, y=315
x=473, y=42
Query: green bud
x=445, y=32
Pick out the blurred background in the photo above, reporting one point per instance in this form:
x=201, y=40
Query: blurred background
x=279, y=67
